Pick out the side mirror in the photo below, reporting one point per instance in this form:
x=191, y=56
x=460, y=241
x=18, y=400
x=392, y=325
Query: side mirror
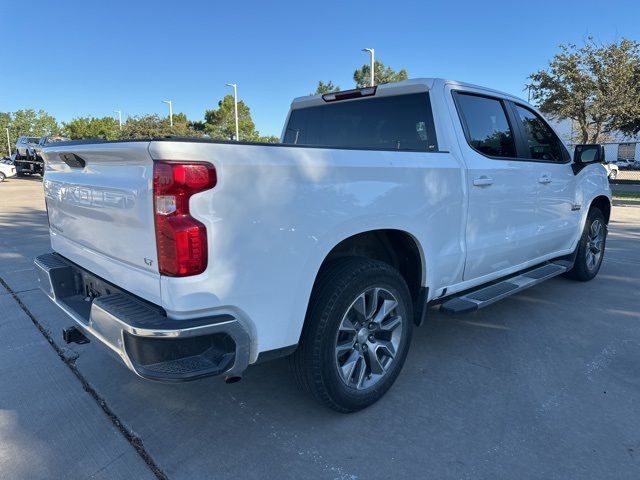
x=585, y=154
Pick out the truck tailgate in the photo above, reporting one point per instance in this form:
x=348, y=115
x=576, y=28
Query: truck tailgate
x=100, y=204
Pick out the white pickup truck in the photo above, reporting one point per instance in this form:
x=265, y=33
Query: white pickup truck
x=190, y=257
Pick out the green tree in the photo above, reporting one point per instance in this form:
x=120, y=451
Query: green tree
x=631, y=127
x=382, y=75
x=220, y=123
x=183, y=127
x=151, y=126
x=595, y=86
x=106, y=128
x=626, y=114
x=198, y=126
x=32, y=123
x=5, y=122
x=145, y=126
x=328, y=87
x=267, y=139
x=26, y=122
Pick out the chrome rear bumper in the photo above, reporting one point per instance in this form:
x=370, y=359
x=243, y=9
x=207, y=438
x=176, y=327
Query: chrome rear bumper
x=149, y=343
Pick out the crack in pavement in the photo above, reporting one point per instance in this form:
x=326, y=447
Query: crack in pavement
x=20, y=291
x=133, y=439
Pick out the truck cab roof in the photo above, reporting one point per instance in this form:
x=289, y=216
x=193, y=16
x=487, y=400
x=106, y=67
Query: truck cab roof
x=414, y=85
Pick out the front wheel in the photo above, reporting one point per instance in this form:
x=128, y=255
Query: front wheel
x=2, y=177
x=590, y=248
x=356, y=334
x=613, y=175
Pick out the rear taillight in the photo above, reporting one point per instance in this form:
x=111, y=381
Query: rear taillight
x=180, y=238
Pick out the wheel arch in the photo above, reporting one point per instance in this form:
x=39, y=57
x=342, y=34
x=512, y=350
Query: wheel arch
x=603, y=203
x=398, y=248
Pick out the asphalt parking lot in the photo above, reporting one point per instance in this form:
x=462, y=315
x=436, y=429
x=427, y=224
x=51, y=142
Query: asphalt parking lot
x=545, y=384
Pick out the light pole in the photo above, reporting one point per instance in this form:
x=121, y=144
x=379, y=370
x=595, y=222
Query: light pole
x=8, y=143
x=235, y=103
x=119, y=117
x=373, y=64
x=168, y=102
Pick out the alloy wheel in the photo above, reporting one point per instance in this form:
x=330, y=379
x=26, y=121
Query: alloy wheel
x=368, y=338
x=595, y=244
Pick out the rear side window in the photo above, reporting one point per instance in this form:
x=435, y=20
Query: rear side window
x=400, y=122
x=487, y=127
x=542, y=142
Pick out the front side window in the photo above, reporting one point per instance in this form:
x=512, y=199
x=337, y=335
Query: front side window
x=542, y=142
x=398, y=122
x=488, y=129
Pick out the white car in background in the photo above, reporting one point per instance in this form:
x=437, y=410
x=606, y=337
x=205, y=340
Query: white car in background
x=612, y=170
x=36, y=149
x=24, y=146
x=7, y=170
x=628, y=164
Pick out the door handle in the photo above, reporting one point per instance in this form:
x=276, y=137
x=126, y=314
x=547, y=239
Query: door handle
x=544, y=179
x=483, y=181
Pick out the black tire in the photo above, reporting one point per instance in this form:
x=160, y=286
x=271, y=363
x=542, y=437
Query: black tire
x=315, y=363
x=2, y=177
x=613, y=175
x=583, y=270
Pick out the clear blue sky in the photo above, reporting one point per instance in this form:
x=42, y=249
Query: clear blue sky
x=93, y=57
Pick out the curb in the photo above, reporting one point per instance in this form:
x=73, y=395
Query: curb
x=625, y=202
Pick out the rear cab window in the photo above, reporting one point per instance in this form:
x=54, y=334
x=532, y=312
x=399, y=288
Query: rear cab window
x=397, y=122
x=486, y=125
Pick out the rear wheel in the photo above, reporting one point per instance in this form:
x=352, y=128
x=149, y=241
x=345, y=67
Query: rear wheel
x=590, y=248
x=356, y=335
x=613, y=175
